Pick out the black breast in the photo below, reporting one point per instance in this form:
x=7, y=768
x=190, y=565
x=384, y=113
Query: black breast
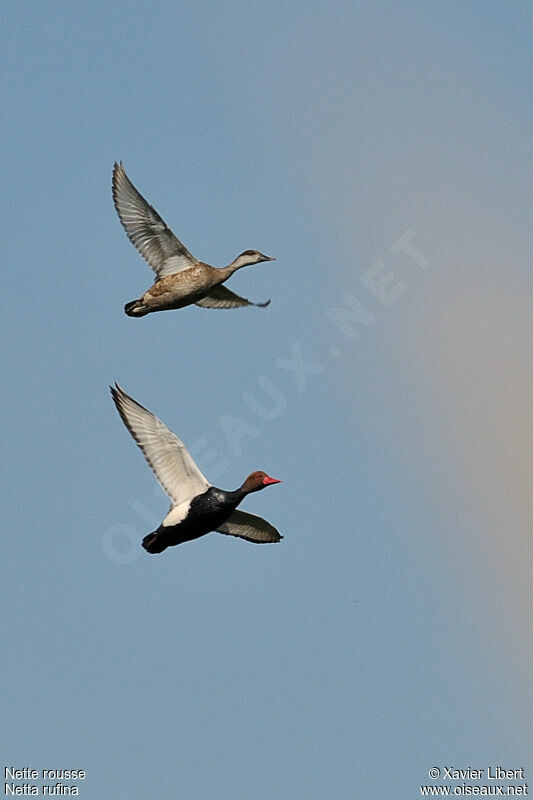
x=213, y=507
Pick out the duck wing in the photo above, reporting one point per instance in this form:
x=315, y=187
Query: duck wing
x=146, y=230
x=221, y=297
x=174, y=468
x=250, y=527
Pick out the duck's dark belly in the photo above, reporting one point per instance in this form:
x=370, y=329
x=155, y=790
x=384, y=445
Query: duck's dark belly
x=207, y=512
x=172, y=302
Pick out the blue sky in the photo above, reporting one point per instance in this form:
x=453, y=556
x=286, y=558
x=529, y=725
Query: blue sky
x=381, y=152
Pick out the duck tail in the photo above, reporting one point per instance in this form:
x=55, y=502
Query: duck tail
x=154, y=543
x=136, y=309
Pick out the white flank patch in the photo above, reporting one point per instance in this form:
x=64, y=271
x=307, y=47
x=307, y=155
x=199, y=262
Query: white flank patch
x=176, y=514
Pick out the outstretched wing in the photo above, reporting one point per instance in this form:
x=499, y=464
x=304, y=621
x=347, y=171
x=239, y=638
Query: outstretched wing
x=250, y=527
x=221, y=297
x=167, y=455
x=146, y=230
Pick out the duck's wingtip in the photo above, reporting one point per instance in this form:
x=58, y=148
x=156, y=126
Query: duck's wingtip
x=116, y=391
x=119, y=173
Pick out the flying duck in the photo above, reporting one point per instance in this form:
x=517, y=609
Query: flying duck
x=180, y=278
x=196, y=507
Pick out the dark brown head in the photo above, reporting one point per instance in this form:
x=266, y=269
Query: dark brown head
x=258, y=480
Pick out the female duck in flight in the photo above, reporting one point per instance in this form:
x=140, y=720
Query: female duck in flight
x=180, y=278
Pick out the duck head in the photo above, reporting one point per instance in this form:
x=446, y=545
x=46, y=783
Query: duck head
x=257, y=481
x=249, y=257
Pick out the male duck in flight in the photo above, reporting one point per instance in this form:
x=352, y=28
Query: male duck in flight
x=180, y=278
x=197, y=507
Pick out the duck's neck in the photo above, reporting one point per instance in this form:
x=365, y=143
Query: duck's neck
x=238, y=263
x=226, y=272
x=239, y=494
x=233, y=498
